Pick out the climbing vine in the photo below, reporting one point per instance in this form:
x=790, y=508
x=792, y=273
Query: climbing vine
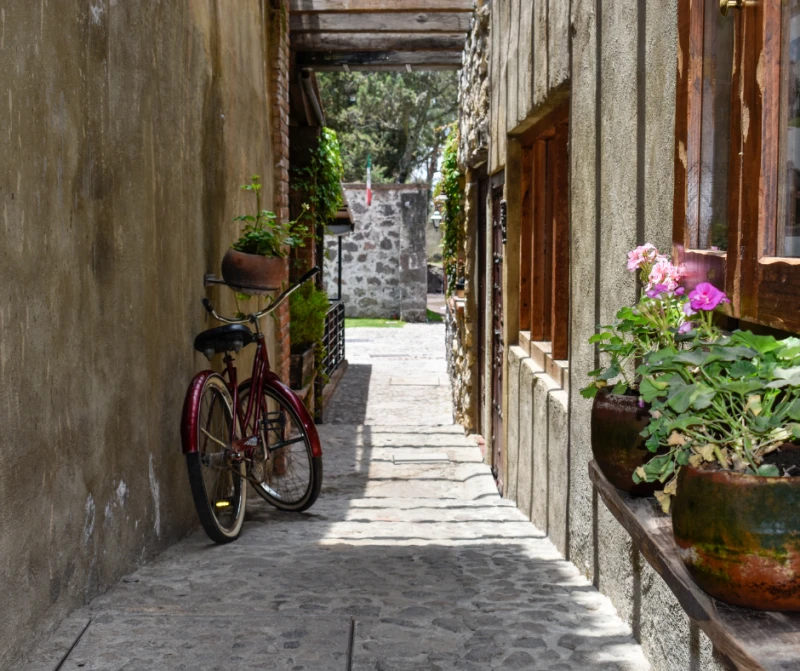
x=321, y=182
x=451, y=185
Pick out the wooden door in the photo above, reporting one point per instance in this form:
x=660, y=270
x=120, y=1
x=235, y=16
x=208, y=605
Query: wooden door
x=498, y=346
x=481, y=283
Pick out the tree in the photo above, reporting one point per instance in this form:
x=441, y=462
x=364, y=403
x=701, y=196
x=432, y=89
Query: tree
x=400, y=119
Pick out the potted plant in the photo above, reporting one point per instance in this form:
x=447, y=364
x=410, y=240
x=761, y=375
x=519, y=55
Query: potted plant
x=619, y=414
x=256, y=261
x=308, y=307
x=726, y=414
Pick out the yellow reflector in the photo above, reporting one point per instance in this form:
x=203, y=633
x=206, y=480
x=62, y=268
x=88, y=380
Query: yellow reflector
x=222, y=504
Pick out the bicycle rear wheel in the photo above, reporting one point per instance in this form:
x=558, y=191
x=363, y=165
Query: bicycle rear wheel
x=291, y=476
x=216, y=479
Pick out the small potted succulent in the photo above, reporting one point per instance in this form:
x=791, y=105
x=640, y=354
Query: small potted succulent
x=619, y=414
x=726, y=416
x=308, y=307
x=256, y=261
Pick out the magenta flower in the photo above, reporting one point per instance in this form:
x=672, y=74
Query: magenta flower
x=680, y=291
x=657, y=290
x=646, y=253
x=687, y=310
x=685, y=327
x=706, y=296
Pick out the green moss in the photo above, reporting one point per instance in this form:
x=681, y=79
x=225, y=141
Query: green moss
x=308, y=307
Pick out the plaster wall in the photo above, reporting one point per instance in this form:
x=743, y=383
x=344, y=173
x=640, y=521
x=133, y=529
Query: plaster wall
x=384, y=264
x=125, y=130
x=616, y=60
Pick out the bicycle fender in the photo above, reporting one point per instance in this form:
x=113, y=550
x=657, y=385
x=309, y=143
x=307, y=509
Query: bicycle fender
x=296, y=404
x=191, y=409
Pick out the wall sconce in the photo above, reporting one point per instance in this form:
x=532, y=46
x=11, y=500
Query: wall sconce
x=436, y=220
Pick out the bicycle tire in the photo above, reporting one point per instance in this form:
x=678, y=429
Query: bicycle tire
x=277, y=489
x=219, y=494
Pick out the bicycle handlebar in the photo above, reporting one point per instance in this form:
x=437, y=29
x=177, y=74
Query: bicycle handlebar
x=252, y=318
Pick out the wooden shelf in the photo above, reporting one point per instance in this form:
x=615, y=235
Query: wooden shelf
x=750, y=639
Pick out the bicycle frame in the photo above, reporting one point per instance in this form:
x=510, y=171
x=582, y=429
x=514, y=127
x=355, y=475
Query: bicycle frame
x=262, y=376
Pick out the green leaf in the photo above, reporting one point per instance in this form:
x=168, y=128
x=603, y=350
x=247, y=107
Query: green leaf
x=793, y=411
x=760, y=343
x=795, y=430
x=620, y=388
x=648, y=389
x=611, y=372
x=787, y=373
x=742, y=387
x=742, y=368
x=590, y=391
x=769, y=471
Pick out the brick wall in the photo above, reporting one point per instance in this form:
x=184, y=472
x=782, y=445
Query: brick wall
x=279, y=89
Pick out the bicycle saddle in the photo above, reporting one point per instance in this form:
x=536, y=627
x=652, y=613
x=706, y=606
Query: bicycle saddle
x=229, y=338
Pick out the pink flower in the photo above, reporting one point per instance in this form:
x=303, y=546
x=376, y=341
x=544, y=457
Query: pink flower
x=687, y=310
x=685, y=327
x=706, y=296
x=680, y=291
x=664, y=273
x=646, y=253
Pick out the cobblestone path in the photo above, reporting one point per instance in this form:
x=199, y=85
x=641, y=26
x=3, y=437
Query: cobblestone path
x=409, y=560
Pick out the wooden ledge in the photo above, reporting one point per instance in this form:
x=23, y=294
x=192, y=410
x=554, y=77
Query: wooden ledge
x=750, y=639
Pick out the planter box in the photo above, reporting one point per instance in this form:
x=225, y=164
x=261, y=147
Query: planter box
x=301, y=368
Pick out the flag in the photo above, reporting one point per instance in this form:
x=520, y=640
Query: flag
x=369, y=180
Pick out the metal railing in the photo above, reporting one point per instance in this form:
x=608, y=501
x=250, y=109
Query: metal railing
x=333, y=340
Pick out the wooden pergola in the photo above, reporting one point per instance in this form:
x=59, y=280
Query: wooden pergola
x=373, y=35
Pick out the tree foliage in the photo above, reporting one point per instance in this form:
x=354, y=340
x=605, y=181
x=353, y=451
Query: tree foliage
x=399, y=119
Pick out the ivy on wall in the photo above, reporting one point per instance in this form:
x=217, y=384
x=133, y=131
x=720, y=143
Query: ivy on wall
x=451, y=185
x=321, y=182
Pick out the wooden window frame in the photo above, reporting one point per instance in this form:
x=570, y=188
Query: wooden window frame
x=763, y=287
x=544, y=230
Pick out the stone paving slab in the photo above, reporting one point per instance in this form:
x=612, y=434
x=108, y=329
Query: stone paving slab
x=138, y=640
x=429, y=565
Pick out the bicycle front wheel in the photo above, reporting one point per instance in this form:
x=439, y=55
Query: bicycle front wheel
x=290, y=478
x=217, y=480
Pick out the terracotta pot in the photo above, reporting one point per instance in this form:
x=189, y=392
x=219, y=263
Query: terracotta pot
x=617, y=446
x=739, y=536
x=252, y=271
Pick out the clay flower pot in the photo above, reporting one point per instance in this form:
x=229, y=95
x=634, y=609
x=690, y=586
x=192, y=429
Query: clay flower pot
x=253, y=271
x=617, y=446
x=739, y=536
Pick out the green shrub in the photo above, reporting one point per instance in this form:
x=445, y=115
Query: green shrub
x=307, y=307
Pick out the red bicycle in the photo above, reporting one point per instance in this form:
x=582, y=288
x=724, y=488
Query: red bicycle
x=258, y=431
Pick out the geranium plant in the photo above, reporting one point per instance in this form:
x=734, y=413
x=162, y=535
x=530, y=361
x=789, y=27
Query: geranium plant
x=263, y=233
x=723, y=405
x=663, y=317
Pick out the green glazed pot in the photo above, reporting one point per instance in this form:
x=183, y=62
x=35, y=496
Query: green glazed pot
x=739, y=536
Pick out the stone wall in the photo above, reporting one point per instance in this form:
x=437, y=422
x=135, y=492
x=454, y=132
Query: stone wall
x=474, y=100
x=616, y=62
x=384, y=266
x=127, y=129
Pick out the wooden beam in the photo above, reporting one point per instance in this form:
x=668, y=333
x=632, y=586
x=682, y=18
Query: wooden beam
x=377, y=42
x=368, y=59
x=378, y=22
x=382, y=5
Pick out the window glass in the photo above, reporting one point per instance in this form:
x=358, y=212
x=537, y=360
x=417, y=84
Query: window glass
x=715, y=133
x=788, y=238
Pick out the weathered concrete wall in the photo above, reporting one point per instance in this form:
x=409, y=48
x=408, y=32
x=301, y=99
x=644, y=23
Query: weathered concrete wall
x=384, y=267
x=620, y=80
x=125, y=130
